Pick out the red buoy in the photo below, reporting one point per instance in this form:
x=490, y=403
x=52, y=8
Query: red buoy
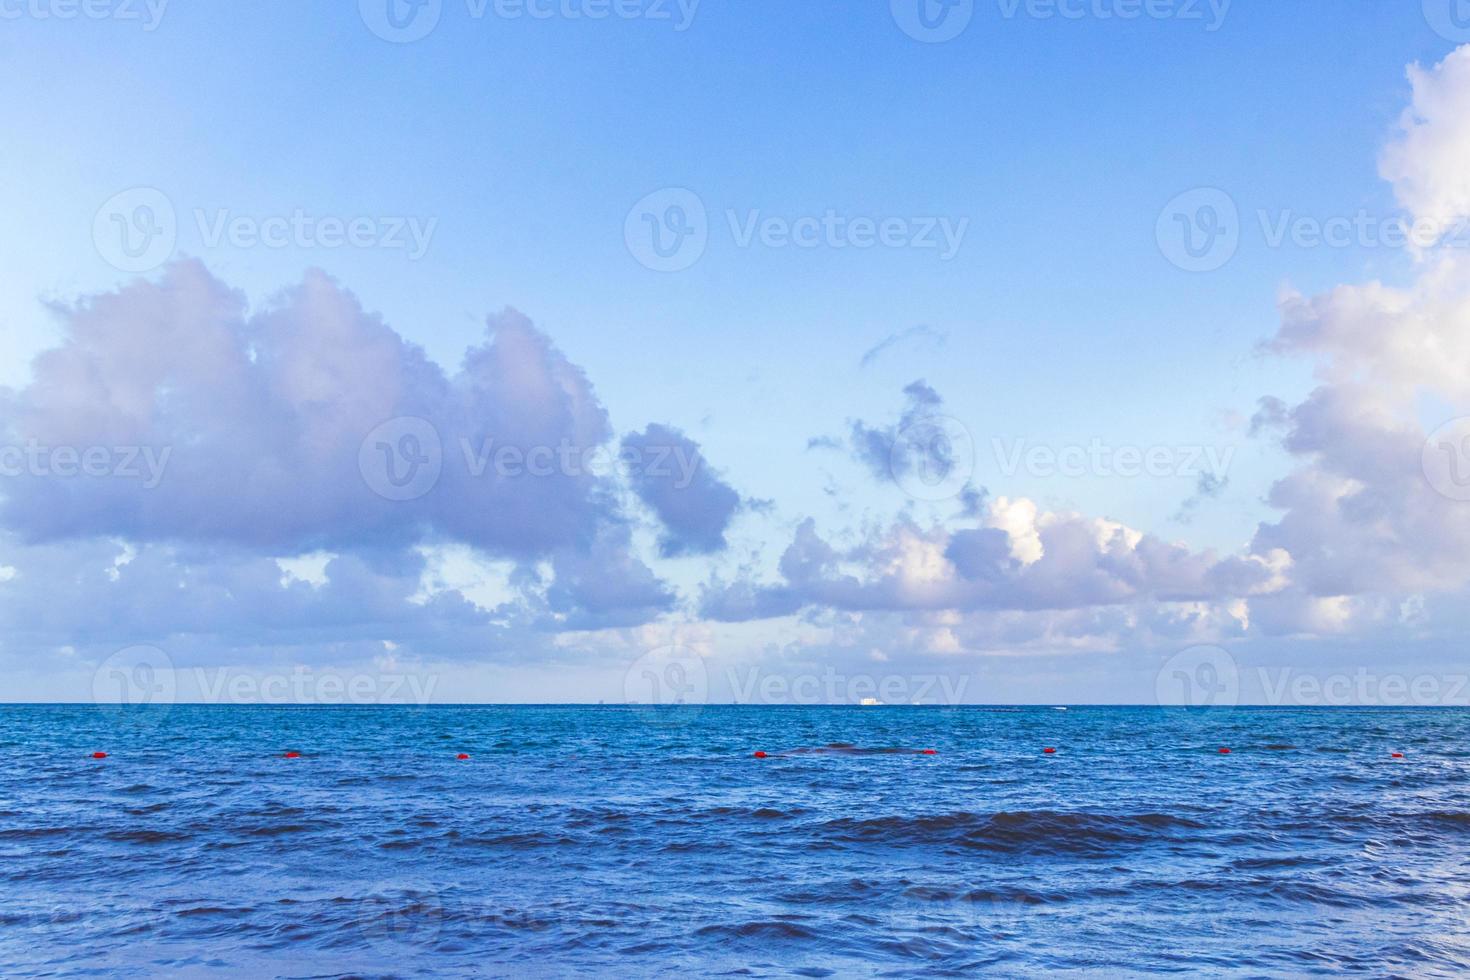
x=463, y=755
x=930, y=752
x=1398, y=755
x=1049, y=750
x=760, y=755
x=99, y=755
x=293, y=755
x=1224, y=751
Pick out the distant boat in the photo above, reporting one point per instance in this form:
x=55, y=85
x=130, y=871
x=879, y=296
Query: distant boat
x=1056, y=708
x=869, y=702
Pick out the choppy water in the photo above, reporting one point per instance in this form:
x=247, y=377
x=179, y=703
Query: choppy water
x=627, y=842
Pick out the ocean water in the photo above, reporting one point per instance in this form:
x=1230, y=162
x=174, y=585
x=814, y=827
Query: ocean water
x=623, y=841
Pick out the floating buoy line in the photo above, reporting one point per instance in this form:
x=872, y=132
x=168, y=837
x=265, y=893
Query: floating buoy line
x=762, y=754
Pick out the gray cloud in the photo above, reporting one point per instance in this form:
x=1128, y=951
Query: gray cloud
x=1020, y=561
x=267, y=424
x=263, y=417
x=671, y=476
x=1209, y=486
x=874, y=446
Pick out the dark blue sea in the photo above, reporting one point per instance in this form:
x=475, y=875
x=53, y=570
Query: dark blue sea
x=619, y=841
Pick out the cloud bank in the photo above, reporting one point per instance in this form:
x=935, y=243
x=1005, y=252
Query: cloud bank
x=176, y=445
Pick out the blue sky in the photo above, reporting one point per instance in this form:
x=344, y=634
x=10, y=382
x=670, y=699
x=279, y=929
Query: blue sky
x=523, y=143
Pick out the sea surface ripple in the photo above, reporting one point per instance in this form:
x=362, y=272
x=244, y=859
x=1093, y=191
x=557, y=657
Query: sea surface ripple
x=632, y=841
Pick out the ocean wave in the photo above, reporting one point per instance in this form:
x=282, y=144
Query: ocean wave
x=763, y=929
x=1010, y=830
x=143, y=835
